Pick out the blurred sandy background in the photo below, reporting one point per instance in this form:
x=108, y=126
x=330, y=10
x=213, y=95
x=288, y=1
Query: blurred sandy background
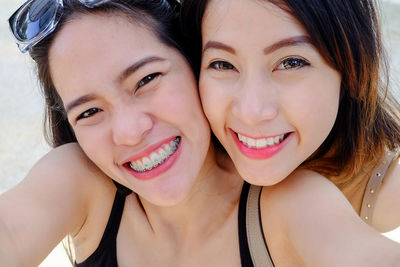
x=21, y=105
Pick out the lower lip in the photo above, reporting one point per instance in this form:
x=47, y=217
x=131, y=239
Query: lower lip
x=160, y=169
x=260, y=153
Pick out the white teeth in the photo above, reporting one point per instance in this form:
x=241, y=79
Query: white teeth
x=270, y=141
x=251, y=142
x=167, y=148
x=156, y=158
x=140, y=165
x=276, y=140
x=146, y=162
x=163, y=154
x=260, y=142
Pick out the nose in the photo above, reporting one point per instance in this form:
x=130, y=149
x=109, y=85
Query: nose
x=130, y=125
x=256, y=101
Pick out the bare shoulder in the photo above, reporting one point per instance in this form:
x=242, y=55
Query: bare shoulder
x=386, y=216
x=317, y=219
x=56, y=198
x=303, y=187
x=67, y=165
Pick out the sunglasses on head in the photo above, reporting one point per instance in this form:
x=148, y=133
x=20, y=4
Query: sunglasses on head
x=36, y=19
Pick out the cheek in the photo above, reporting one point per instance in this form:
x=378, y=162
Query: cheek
x=89, y=140
x=315, y=109
x=181, y=106
x=214, y=100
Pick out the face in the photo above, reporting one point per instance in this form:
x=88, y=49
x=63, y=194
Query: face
x=133, y=104
x=270, y=97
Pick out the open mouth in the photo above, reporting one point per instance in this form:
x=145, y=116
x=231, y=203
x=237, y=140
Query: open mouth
x=261, y=143
x=156, y=157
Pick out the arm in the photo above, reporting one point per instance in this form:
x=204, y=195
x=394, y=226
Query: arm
x=320, y=225
x=51, y=202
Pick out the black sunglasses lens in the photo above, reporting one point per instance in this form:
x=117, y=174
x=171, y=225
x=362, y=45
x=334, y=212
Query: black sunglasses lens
x=35, y=18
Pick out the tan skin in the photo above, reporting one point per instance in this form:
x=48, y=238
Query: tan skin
x=65, y=193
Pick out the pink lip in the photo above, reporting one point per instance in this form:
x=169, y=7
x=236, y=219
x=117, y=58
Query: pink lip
x=160, y=169
x=259, y=153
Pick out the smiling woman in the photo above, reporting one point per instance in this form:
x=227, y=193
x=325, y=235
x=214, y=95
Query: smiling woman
x=127, y=96
x=298, y=93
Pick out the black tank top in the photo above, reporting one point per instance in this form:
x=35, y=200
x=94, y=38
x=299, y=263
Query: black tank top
x=106, y=253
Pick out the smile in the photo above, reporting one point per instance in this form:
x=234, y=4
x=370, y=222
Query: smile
x=155, y=158
x=261, y=148
x=261, y=142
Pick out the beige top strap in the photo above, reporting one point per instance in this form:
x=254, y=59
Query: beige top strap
x=372, y=189
x=255, y=236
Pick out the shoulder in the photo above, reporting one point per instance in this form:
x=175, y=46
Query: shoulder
x=303, y=187
x=56, y=198
x=316, y=219
x=386, y=215
x=67, y=165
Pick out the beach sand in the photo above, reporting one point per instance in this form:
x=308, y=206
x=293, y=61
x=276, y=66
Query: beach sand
x=21, y=109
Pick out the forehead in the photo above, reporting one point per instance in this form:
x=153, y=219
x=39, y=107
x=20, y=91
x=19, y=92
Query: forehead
x=248, y=19
x=97, y=33
x=95, y=47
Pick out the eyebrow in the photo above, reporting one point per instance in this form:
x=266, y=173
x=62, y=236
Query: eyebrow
x=292, y=41
x=137, y=65
x=79, y=101
x=124, y=75
x=218, y=46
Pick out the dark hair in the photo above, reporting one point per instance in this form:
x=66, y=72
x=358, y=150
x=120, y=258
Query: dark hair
x=347, y=34
x=160, y=16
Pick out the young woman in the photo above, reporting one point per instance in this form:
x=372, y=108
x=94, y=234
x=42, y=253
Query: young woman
x=116, y=83
x=301, y=83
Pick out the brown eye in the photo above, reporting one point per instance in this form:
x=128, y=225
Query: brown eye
x=147, y=79
x=292, y=63
x=88, y=113
x=221, y=65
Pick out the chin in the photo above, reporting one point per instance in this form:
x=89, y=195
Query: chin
x=169, y=196
x=262, y=177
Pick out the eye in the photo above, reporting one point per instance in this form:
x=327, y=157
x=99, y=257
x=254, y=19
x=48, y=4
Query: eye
x=88, y=113
x=147, y=79
x=222, y=65
x=292, y=63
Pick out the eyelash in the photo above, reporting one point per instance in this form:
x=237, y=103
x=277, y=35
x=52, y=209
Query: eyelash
x=147, y=79
x=293, y=63
x=221, y=65
x=88, y=113
x=287, y=64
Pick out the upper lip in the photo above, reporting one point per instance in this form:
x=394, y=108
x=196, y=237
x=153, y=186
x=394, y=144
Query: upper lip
x=148, y=150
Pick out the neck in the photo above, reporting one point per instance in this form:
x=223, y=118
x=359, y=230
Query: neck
x=212, y=201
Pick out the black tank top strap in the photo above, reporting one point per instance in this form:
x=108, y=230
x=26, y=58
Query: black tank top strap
x=253, y=247
x=106, y=252
x=124, y=191
x=243, y=242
